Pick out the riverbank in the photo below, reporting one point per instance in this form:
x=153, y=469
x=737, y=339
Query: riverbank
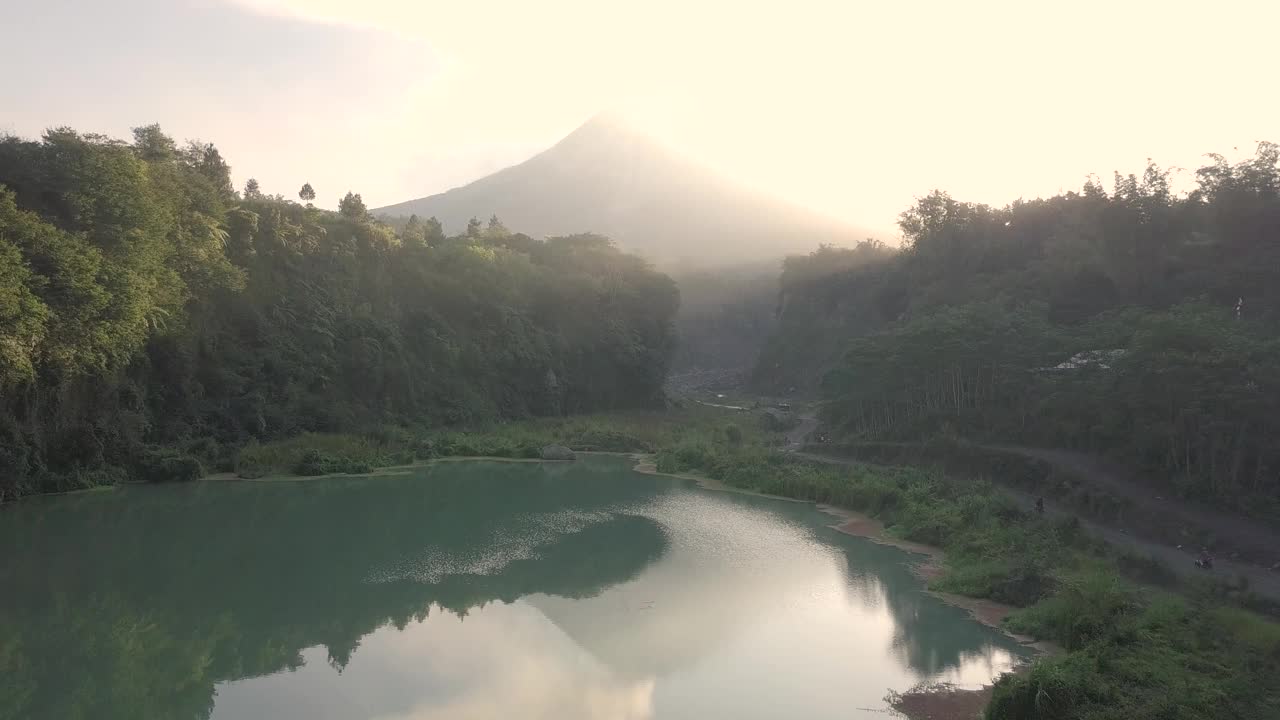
x=1161, y=535
x=1128, y=650
x=930, y=569
x=926, y=702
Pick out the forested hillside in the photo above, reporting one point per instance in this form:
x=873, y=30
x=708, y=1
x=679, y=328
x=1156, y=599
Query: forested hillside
x=150, y=315
x=1138, y=324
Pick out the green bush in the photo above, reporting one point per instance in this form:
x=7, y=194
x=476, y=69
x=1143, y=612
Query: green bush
x=166, y=465
x=733, y=435
x=210, y=453
x=1087, y=604
x=314, y=454
x=607, y=440
x=314, y=463
x=1052, y=689
x=424, y=448
x=391, y=436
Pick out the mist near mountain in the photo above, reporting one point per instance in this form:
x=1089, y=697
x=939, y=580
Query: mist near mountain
x=608, y=178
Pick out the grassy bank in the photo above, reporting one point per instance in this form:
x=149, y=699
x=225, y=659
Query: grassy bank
x=1035, y=476
x=1132, y=652
x=318, y=454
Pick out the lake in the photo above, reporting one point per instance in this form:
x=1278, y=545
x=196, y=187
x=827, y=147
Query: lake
x=462, y=590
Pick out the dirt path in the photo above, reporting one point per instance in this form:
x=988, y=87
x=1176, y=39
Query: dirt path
x=799, y=435
x=1232, y=530
x=1262, y=580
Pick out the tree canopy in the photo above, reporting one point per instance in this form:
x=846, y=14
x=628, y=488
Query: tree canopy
x=1138, y=324
x=144, y=303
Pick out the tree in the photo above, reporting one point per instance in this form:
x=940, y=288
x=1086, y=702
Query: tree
x=206, y=161
x=496, y=229
x=251, y=190
x=152, y=144
x=433, y=231
x=352, y=206
x=414, y=234
x=306, y=194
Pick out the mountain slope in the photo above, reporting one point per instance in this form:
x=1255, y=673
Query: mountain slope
x=608, y=179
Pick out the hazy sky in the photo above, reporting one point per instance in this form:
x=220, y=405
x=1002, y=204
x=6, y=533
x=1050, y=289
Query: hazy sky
x=852, y=108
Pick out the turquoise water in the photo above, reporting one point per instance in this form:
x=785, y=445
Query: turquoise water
x=462, y=590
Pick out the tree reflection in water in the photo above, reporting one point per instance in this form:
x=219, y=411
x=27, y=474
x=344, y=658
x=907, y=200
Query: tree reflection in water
x=137, y=603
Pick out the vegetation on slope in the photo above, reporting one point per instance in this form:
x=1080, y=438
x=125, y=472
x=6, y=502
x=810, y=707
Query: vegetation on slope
x=145, y=305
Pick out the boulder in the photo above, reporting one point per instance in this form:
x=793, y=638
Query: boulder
x=557, y=452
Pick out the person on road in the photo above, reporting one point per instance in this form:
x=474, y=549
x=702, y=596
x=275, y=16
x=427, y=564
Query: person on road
x=1206, y=560
x=1039, y=506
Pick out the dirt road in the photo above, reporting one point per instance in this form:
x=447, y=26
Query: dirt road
x=1181, y=561
x=1234, y=531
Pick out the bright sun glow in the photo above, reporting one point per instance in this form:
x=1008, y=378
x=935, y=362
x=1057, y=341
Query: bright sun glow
x=852, y=108
x=849, y=107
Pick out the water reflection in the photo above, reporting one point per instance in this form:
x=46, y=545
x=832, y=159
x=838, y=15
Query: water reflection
x=506, y=661
x=622, y=596
x=752, y=595
x=134, y=604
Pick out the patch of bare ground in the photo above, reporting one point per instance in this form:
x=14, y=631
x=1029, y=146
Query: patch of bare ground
x=941, y=701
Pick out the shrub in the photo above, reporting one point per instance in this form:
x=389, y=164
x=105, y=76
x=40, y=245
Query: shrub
x=314, y=453
x=424, y=448
x=605, y=440
x=210, y=453
x=1087, y=604
x=166, y=465
x=390, y=436
x=313, y=462
x=1051, y=690
x=733, y=435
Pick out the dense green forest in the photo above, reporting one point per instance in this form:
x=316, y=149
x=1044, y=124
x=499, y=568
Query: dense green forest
x=1139, y=324
x=151, y=316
